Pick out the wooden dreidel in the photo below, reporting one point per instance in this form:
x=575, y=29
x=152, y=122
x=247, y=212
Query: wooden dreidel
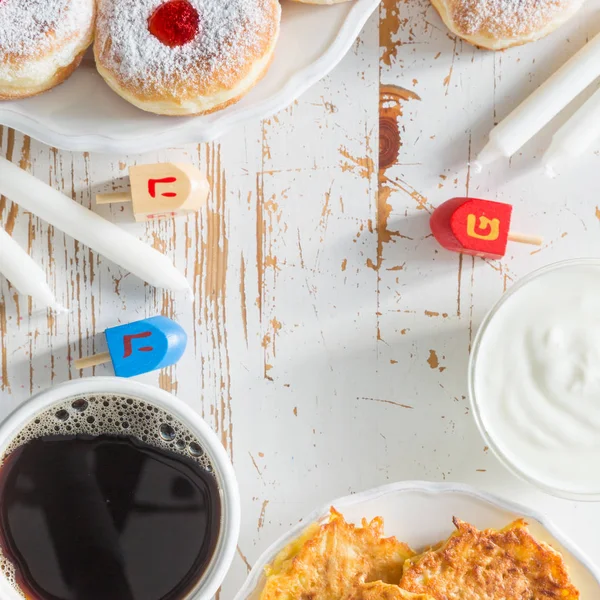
x=162, y=190
x=477, y=227
x=140, y=347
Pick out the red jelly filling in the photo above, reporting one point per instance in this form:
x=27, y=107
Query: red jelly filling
x=174, y=23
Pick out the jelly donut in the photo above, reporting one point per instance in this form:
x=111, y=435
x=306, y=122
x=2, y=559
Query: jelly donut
x=320, y=1
x=498, y=24
x=185, y=57
x=41, y=43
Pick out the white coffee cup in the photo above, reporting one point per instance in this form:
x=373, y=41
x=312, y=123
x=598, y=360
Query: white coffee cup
x=212, y=578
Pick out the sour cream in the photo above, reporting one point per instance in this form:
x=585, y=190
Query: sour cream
x=536, y=378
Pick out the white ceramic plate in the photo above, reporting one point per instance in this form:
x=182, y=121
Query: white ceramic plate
x=84, y=114
x=420, y=514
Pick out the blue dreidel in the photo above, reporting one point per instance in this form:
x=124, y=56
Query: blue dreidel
x=140, y=347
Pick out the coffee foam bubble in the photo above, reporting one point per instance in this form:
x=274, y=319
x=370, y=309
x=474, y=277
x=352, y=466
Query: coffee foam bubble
x=107, y=414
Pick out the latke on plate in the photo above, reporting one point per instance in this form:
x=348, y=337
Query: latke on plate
x=377, y=590
x=490, y=565
x=340, y=561
x=332, y=562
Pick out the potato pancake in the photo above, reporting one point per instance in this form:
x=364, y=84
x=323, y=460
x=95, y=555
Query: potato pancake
x=378, y=590
x=332, y=561
x=507, y=564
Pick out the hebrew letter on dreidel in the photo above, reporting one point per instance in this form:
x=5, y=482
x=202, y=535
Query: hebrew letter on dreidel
x=490, y=226
x=162, y=190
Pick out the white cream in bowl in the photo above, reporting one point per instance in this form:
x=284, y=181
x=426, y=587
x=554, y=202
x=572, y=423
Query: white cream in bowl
x=535, y=378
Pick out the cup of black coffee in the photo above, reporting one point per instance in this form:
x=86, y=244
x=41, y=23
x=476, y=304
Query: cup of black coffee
x=113, y=490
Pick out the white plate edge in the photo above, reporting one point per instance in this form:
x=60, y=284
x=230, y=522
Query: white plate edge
x=297, y=85
x=269, y=554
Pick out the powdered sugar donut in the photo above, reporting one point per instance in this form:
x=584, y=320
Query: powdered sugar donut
x=499, y=24
x=41, y=43
x=185, y=57
x=321, y=1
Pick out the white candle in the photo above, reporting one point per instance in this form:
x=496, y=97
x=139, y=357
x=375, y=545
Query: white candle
x=543, y=105
x=89, y=228
x=575, y=137
x=24, y=274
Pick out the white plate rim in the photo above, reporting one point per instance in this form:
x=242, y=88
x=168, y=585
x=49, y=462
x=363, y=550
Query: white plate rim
x=410, y=486
x=187, y=132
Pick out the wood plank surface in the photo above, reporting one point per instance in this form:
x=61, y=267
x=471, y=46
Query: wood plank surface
x=330, y=334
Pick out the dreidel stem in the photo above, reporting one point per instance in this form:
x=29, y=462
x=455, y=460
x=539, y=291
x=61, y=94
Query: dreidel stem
x=521, y=238
x=92, y=361
x=115, y=198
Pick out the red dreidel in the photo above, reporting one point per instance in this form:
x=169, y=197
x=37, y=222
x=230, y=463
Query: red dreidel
x=477, y=227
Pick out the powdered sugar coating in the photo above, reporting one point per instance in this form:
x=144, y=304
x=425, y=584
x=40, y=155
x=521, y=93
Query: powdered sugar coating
x=30, y=28
x=233, y=33
x=506, y=18
x=40, y=41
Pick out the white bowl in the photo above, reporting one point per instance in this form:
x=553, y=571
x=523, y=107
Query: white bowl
x=420, y=514
x=84, y=114
x=498, y=445
x=230, y=525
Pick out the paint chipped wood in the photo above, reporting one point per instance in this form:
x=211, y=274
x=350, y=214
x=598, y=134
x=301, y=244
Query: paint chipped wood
x=329, y=334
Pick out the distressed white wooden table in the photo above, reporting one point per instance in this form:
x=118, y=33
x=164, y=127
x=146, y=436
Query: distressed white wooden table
x=330, y=334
